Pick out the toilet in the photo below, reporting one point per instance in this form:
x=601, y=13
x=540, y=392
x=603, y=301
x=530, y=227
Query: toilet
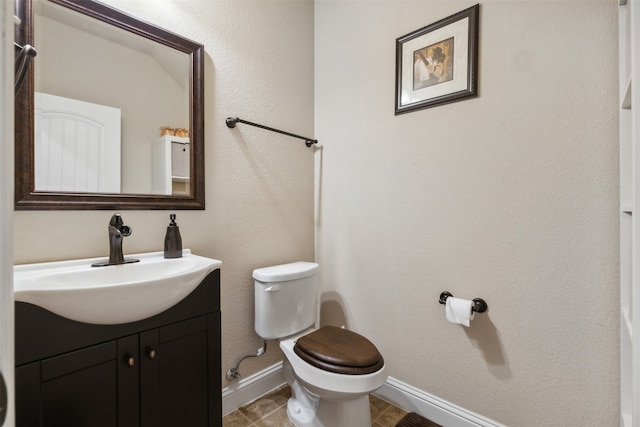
x=330, y=370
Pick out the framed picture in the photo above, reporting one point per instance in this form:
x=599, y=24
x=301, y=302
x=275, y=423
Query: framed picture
x=438, y=64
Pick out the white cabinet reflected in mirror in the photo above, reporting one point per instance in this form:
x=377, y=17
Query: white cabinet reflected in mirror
x=171, y=165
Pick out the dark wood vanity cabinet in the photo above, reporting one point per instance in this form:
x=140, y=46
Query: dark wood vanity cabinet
x=161, y=371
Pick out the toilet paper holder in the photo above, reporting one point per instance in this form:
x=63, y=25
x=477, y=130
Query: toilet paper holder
x=479, y=305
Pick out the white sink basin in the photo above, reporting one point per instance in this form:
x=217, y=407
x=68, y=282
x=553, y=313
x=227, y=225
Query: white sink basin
x=114, y=294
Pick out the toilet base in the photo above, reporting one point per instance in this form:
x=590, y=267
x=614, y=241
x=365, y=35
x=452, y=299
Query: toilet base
x=330, y=413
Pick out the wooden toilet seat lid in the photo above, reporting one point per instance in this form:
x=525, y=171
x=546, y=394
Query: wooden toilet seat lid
x=339, y=350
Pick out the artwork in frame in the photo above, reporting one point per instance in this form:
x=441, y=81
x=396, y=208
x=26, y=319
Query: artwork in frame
x=438, y=64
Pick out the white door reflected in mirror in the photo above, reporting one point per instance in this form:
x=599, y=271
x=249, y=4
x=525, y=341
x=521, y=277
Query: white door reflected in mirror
x=77, y=145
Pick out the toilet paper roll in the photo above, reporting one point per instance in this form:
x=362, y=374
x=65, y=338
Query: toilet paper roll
x=459, y=311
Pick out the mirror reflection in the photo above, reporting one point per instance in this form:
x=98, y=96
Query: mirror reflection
x=108, y=106
x=110, y=114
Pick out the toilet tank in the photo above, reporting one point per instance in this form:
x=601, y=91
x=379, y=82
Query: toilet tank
x=285, y=299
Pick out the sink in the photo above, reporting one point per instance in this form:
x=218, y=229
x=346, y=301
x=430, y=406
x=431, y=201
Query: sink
x=114, y=294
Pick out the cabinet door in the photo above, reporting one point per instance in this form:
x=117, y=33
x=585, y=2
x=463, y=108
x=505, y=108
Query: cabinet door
x=28, y=395
x=128, y=361
x=176, y=380
x=81, y=388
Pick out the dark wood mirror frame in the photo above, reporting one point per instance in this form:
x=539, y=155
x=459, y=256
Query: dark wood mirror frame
x=26, y=198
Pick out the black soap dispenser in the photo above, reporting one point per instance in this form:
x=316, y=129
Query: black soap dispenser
x=172, y=240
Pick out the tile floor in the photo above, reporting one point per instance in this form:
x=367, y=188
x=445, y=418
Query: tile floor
x=271, y=411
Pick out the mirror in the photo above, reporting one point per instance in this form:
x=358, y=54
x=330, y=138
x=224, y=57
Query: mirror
x=89, y=58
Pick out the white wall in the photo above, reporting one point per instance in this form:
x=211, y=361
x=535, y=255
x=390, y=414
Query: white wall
x=259, y=185
x=510, y=196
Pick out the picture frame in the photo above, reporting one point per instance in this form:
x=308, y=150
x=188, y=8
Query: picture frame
x=438, y=64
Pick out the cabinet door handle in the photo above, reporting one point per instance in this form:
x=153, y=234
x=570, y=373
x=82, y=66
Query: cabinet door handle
x=151, y=353
x=129, y=360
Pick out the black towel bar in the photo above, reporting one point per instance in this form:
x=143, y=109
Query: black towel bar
x=232, y=121
x=479, y=305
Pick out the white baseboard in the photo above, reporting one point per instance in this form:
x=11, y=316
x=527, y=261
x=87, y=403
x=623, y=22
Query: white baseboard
x=394, y=391
x=249, y=389
x=429, y=406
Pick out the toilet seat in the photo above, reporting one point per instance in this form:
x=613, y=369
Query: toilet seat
x=339, y=351
x=322, y=382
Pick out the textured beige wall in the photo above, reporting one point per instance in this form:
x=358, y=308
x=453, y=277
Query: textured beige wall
x=259, y=185
x=510, y=196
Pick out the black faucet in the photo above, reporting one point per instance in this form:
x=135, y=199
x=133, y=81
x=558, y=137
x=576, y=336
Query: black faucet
x=117, y=232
